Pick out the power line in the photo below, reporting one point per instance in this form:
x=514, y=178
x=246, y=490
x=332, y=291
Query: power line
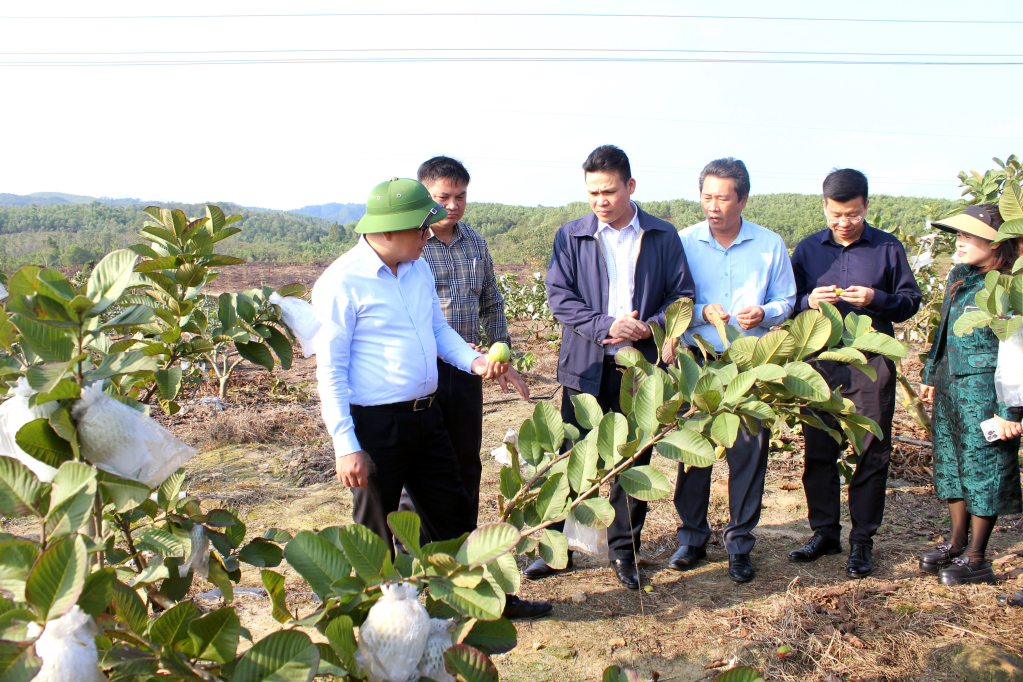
x=482, y=59
x=594, y=15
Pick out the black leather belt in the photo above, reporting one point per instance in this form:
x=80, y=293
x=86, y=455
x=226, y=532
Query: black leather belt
x=417, y=405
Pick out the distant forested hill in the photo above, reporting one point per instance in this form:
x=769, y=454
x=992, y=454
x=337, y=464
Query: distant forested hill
x=73, y=233
x=337, y=213
x=52, y=198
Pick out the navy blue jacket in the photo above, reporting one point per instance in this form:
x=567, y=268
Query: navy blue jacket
x=577, y=293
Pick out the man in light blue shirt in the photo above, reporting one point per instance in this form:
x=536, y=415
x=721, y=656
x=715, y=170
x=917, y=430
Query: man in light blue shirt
x=743, y=275
x=377, y=367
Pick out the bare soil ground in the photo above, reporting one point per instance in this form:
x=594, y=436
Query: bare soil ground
x=269, y=456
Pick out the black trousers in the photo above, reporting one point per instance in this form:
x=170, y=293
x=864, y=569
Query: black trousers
x=410, y=450
x=820, y=472
x=460, y=397
x=747, y=469
x=624, y=532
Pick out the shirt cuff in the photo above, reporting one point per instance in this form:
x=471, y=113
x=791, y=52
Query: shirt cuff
x=463, y=359
x=802, y=303
x=774, y=313
x=345, y=443
x=698, y=313
x=880, y=299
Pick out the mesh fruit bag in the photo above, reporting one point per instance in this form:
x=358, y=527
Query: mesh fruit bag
x=125, y=442
x=432, y=663
x=300, y=318
x=1009, y=370
x=15, y=413
x=68, y=649
x=199, y=557
x=393, y=637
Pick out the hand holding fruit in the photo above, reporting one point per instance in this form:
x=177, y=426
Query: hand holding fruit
x=826, y=294
x=750, y=317
x=715, y=308
x=489, y=368
x=856, y=295
x=926, y=394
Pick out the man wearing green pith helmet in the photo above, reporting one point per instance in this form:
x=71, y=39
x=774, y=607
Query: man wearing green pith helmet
x=377, y=367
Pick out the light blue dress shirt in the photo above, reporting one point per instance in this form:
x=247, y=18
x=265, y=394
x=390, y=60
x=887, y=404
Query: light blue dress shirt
x=754, y=270
x=386, y=335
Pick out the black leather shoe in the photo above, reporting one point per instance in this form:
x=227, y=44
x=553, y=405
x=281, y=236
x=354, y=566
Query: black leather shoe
x=740, y=568
x=940, y=558
x=627, y=573
x=539, y=569
x=860, y=565
x=686, y=556
x=963, y=571
x=817, y=547
x=1010, y=600
x=524, y=609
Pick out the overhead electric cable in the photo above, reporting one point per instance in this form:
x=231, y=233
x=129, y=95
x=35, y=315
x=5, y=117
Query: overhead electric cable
x=481, y=59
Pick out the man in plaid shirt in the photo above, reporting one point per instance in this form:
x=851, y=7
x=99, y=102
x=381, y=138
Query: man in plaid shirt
x=469, y=296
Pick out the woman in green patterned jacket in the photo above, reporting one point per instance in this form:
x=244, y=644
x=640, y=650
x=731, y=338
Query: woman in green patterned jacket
x=980, y=479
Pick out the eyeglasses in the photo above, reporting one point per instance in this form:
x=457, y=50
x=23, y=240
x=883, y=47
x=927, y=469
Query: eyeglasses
x=426, y=221
x=852, y=221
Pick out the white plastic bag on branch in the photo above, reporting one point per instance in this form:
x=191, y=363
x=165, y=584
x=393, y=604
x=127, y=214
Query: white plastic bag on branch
x=68, y=649
x=501, y=454
x=14, y=414
x=582, y=538
x=301, y=319
x=199, y=558
x=432, y=663
x=393, y=637
x=125, y=442
x=1009, y=370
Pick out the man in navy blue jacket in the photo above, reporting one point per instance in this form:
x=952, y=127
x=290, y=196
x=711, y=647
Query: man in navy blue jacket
x=611, y=273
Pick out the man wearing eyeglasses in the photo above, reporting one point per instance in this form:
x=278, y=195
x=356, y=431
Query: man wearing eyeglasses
x=861, y=270
x=376, y=364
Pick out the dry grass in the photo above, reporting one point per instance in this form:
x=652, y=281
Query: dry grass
x=283, y=424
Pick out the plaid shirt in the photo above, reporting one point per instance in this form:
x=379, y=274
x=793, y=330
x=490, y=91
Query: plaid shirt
x=466, y=285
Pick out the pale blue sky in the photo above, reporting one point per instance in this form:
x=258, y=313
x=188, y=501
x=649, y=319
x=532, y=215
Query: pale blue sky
x=283, y=135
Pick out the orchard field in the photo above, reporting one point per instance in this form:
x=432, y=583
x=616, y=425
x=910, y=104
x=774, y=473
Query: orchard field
x=266, y=454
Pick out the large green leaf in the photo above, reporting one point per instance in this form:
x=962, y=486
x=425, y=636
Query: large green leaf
x=467, y=664
x=554, y=548
x=856, y=326
x=550, y=429
x=159, y=541
x=595, y=512
x=341, y=635
x=18, y=661
x=405, y=526
x=124, y=493
x=970, y=320
x=803, y=381
x=505, y=573
x=649, y=397
x=678, y=315
x=738, y=387
x=487, y=543
x=882, y=344
x=215, y=636
x=587, y=410
x=129, y=607
x=43, y=378
x=171, y=626
x=774, y=347
x=725, y=428
x=123, y=363
x=835, y=318
x=550, y=502
x=812, y=331
x=133, y=316
x=109, y=278
x=644, y=482
x=493, y=637
x=582, y=464
x=282, y=347
x=49, y=343
x=98, y=591
x=1010, y=204
x=16, y=560
x=741, y=351
x=274, y=583
x=71, y=498
x=56, y=580
x=169, y=382
x=688, y=447
x=631, y=381
x=321, y=563
x=481, y=601
x=612, y=433
x=261, y=553
x=38, y=439
x=256, y=353
x=20, y=490
x=741, y=674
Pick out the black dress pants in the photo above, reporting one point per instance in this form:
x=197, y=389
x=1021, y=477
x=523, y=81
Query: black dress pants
x=408, y=449
x=623, y=535
x=867, y=487
x=747, y=469
x=460, y=397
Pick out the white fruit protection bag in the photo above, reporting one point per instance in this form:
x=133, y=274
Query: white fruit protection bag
x=199, y=557
x=582, y=538
x=15, y=413
x=1009, y=370
x=302, y=320
x=125, y=442
x=393, y=637
x=68, y=649
x=432, y=663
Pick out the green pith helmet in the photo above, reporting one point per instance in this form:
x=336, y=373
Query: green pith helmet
x=399, y=205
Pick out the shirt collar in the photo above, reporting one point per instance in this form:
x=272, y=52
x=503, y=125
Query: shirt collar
x=371, y=262
x=868, y=236
x=456, y=234
x=634, y=223
x=745, y=234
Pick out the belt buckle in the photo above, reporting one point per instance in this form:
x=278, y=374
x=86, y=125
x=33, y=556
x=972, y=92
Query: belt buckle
x=420, y=404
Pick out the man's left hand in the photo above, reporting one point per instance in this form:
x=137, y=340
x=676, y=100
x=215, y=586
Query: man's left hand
x=488, y=369
x=858, y=296
x=750, y=317
x=513, y=378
